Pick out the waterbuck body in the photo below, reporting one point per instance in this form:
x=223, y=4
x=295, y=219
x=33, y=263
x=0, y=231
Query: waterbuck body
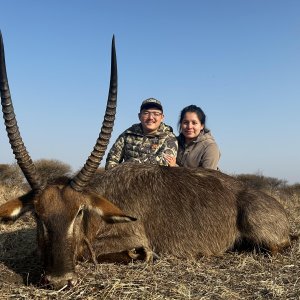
x=135, y=211
x=189, y=213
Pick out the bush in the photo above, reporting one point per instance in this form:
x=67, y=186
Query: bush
x=49, y=169
x=293, y=189
x=11, y=175
x=260, y=182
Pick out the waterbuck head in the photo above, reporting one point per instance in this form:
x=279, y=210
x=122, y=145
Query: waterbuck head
x=64, y=211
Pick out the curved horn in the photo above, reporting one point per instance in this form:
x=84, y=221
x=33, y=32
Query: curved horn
x=21, y=154
x=82, y=179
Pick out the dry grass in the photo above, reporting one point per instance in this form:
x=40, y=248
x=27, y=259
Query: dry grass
x=232, y=276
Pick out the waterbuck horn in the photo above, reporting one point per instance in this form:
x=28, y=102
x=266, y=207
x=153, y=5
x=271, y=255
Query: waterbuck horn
x=21, y=154
x=81, y=180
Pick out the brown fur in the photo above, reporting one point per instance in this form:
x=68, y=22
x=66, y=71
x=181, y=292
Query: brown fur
x=183, y=212
x=203, y=213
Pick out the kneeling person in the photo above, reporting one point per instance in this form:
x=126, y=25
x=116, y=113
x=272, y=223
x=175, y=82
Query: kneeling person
x=146, y=142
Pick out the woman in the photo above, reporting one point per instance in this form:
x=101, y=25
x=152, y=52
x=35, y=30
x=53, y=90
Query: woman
x=196, y=145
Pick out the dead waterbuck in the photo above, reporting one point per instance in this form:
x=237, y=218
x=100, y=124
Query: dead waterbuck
x=178, y=211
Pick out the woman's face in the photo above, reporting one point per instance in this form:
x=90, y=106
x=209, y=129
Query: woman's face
x=191, y=126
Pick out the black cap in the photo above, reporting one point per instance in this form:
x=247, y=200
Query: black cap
x=151, y=103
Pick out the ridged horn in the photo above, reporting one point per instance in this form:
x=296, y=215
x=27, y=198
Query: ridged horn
x=81, y=180
x=21, y=154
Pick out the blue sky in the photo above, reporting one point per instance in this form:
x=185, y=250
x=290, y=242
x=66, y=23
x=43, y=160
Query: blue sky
x=238, y=60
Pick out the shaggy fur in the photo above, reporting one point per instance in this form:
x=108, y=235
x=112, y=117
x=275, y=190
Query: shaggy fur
x=151, y=210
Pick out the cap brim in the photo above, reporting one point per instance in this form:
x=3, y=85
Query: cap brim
x=151, y=105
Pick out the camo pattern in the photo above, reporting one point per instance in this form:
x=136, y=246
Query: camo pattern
x=134, y=146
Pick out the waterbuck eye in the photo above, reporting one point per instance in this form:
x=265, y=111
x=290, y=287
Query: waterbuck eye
x=80, y=211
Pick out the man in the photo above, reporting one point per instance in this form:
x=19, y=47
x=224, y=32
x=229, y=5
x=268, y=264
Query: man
x=146, y=142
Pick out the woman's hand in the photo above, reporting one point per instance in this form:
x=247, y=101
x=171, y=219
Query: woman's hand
x=171, y=159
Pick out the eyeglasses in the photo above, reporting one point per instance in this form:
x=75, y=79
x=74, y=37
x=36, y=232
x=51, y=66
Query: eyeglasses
x=155, y=114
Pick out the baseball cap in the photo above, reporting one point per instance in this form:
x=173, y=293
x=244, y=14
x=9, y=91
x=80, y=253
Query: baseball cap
x=151, y=103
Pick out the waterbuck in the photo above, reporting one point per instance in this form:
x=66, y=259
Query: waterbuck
x=135, y=211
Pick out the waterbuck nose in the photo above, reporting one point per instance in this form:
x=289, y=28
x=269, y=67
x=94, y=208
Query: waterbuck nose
x=60, y=282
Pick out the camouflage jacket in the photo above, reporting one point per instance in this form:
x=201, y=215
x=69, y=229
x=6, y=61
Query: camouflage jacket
x=135, y=146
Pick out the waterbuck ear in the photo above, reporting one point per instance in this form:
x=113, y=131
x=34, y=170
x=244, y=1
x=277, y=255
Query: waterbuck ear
x=109, y=212
x=14, y=209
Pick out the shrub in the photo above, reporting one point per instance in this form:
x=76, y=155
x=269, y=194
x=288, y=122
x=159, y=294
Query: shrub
x=49, y=169
x=260, y=182
x=11, y=175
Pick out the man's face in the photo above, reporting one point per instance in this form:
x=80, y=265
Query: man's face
x=150, y=119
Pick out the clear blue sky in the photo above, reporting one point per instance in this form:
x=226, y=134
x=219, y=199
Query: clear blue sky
x=239, y=60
